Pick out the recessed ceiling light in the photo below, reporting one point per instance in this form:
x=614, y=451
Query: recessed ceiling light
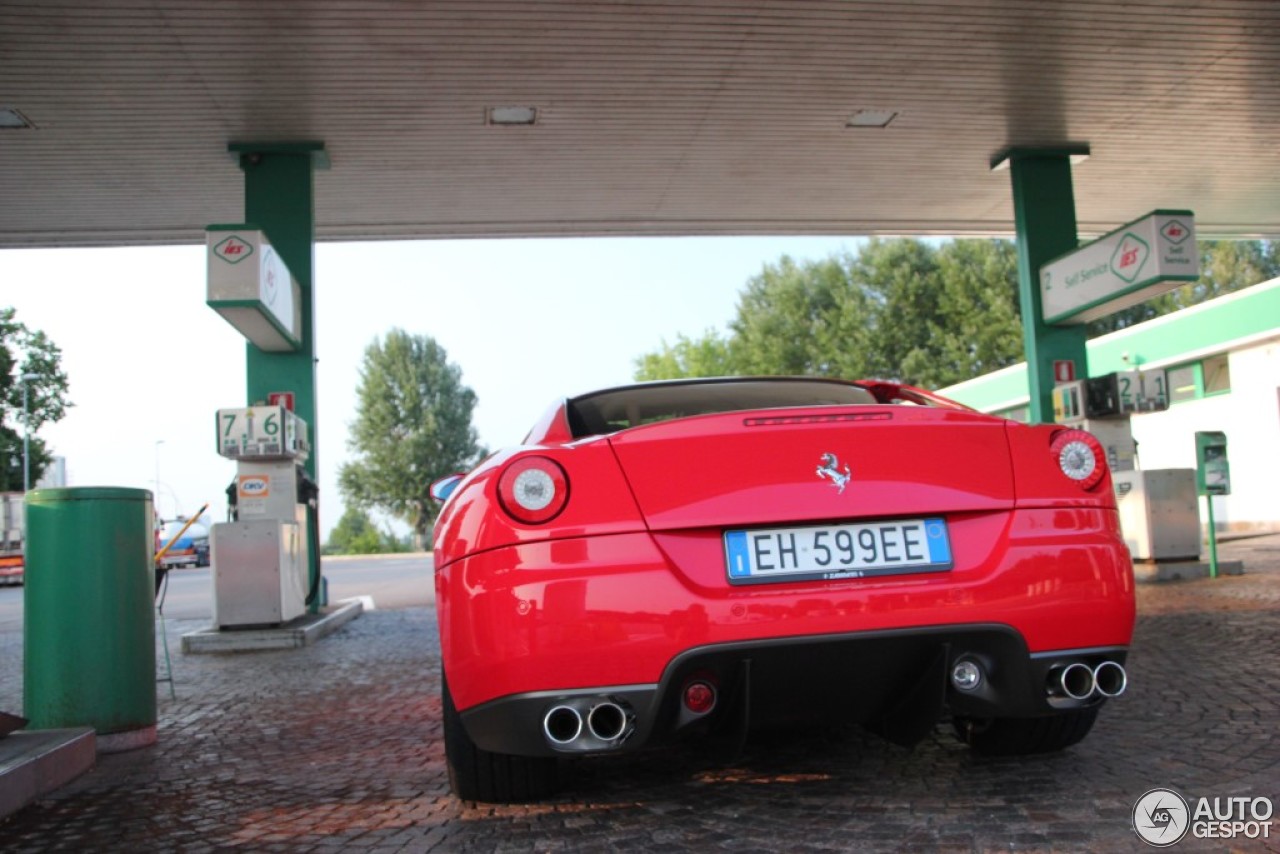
x=513, y=115
x=11, y=119
x=871, y=118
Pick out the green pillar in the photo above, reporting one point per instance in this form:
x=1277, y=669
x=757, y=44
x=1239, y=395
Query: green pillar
x=1044, y=213
x=279, y=198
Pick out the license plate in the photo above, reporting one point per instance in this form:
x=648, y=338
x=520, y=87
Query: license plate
x=829, y=552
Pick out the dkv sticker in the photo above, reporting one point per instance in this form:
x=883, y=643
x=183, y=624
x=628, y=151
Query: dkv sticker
x=255, y=485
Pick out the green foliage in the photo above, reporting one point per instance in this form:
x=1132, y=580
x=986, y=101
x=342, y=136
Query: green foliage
x=799, y=319
x=898, y=308
x=356, y=534
x=925, y=314
x=24, y=351
x=412, y=427
x=707, y=356
x=980, y=298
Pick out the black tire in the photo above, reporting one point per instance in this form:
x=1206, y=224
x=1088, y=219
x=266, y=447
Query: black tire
x=496, y=778
x=1025, y=736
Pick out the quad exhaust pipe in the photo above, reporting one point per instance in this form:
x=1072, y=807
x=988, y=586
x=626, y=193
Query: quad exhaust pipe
x=592, y=724
x=1078, y=681
x=1110, y=679
x=607, y=721
x=562, y=725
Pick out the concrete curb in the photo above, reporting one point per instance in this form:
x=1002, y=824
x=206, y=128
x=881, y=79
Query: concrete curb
x=297, y=633
x=34, y=763
x=1154, y=572
x=423, y=556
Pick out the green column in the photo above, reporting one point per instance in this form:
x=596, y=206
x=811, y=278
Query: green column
x=1044, y=212
x=279, y=198
x=89, y=603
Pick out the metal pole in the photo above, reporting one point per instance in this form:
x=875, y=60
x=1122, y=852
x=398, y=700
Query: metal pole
x=159, y=442
x=26, y=432
x=1213, y=540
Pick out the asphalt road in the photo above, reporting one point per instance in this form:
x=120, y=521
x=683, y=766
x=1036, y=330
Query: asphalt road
x=400, y=581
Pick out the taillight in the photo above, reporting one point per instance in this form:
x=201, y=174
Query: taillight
x=1079, y=456
x=533, y=490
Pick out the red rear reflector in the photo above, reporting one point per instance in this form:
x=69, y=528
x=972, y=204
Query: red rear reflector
x=699, y=697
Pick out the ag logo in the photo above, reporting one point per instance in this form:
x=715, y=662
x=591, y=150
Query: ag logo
x=1130, y=257
x=1174, y=232
x=1161, y=818
x=233, y=250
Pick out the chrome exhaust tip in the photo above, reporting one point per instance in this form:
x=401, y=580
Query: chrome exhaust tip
x=1110, y=679
x=1074, y=680
x=562, y=725
x=607, y=721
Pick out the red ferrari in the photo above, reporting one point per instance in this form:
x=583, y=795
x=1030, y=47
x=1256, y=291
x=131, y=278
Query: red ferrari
x=692, y=559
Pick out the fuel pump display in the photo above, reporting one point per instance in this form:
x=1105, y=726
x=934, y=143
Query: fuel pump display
x=260, y=558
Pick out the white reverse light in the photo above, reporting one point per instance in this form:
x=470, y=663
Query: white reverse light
x=534, y=489
x=1077, y=460
x=966, y=675
x=1079, y=457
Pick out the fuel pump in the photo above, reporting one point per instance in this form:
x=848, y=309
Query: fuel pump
x=260, y=557
x=1159, y=513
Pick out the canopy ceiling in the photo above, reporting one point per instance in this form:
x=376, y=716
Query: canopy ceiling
x=690, y=117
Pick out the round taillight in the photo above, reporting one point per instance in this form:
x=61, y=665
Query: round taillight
x=533, y=490
x=1079, y=457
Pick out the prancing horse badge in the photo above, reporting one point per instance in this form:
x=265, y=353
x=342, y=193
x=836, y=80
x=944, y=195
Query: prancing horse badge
x=830, y=468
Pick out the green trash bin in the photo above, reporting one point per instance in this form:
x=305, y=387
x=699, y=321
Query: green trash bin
x=89, y=623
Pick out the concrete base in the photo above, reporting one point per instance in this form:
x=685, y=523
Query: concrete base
x=34, y=763
x=1152, y=571
x=133, y=739
x=300, y=632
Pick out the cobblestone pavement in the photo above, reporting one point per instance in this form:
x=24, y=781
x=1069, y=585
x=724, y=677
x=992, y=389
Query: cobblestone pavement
x=337, y=747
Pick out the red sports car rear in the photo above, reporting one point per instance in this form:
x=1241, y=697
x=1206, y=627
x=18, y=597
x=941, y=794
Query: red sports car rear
x=676, y=560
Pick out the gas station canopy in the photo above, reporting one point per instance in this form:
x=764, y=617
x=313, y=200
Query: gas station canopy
x=485, y=118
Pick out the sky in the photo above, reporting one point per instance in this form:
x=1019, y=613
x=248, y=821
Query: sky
x=527, y=321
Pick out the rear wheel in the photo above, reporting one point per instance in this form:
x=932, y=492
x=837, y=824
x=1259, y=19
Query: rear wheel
x=499, y=778
x=1024, y=736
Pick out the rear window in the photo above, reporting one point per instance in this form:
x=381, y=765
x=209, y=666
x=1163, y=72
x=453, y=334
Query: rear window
x=617, y=409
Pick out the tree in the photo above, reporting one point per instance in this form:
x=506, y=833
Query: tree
x=979, y=302
x=27, y=352
x=412, y=427
x=900, y=309
x=807, y=318
x=356, y=534
x=707, y=356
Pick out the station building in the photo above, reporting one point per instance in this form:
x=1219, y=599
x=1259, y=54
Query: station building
x=1222, y=360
